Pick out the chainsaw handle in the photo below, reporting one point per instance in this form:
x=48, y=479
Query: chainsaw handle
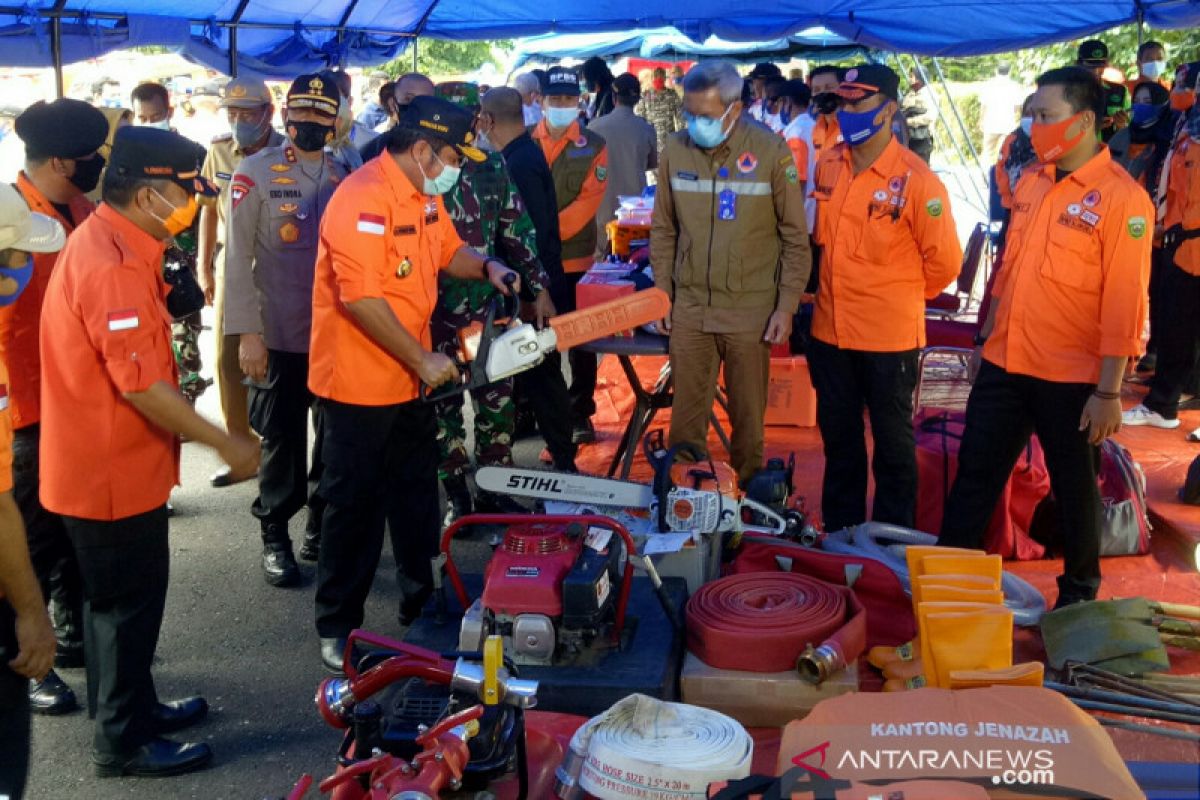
x=588, y=520
x=463, y=383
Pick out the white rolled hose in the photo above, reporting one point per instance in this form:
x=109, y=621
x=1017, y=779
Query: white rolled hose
x=863, y=541
x=654, y=750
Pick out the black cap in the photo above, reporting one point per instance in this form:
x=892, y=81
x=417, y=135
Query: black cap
x=562, y=82
x=141, y=152
x=867, y=79
x=446, y=121
x=1092, y=53
x=627, y=87
x=318, y=92
x=62, y=129
x=765, y=70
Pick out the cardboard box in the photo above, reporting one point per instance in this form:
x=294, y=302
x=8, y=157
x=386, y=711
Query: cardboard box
x=791, y=399
x=759, y=699
x=600, y=285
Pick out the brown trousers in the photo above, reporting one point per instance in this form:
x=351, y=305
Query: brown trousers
x=235, y=407
x=696, y=359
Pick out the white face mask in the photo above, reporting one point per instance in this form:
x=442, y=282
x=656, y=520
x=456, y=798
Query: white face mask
x=163, y=124
x=1154, y=69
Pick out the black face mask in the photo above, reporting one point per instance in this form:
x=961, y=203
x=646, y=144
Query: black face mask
x=825, y=102
x=310, y=136
x=87, y=173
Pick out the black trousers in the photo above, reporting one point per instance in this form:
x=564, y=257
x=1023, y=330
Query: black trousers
x=1160, y=261
x=279, y=412
x=125, y=565
x=14, y=712
x=1178, y=341
x=846, y=381
x=1002, y=412
x=545, y=390
x=50, y=550
x=584, y=365
x=380, y=467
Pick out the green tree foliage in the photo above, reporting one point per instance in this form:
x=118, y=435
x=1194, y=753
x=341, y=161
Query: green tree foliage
x=1182, y=46
x=440, y=59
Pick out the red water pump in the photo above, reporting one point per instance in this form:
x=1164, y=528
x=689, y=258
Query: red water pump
x=550, y=589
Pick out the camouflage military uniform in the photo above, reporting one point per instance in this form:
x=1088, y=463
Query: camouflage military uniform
x=491, y=218
x=662, y=109
x=186, y=332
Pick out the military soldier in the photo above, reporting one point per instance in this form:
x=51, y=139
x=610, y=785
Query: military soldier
x=662, y=108
x=276, y=201
x=490, y=217
x=249, y=109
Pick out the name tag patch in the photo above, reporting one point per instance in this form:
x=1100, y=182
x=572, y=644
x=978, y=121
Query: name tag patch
x=687, y=176
x=124, y=320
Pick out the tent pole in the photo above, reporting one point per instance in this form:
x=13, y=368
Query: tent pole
x=234, y=22
x=950, y=131
x=1141, y=25
x=937, y=65
x=416, y=42
x=937, y=107
x=56, y=55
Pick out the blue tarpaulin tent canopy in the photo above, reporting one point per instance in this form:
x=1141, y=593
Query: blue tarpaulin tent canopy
x=668, y=42
x=283, y=37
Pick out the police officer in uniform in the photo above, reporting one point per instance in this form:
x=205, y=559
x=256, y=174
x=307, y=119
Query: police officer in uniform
x=1093, y=56
x=276, y=201
x=735, y=268
x=249, y=108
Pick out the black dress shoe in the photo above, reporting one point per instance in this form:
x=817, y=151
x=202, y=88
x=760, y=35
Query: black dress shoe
x=158, y=758
x=310, y=550
x=50, y=696
x=279, y=565
x=69, y=654
x=225, y=477
x=332, y=650
x=175, y=715
x=583, y=432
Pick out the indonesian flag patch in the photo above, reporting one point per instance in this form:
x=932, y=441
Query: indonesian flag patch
x=3, y=396
x=124, y=320
x=372, y=224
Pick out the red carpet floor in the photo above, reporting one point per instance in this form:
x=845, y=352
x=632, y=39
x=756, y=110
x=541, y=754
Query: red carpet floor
x=1167, y=573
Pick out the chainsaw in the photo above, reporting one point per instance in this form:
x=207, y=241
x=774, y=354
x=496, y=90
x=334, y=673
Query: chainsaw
x=702, y=496
x=501, y=348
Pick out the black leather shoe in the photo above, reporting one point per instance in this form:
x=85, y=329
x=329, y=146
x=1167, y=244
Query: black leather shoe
x=69, y=654
x=51, y=696
x=225, y=477
x=278, y=564
x=175, y=715
x=158, y=758
x=310, y=550
x=332, y=650
x=459, y=502
x=583, y=432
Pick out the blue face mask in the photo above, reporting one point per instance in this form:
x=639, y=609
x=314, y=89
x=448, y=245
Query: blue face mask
x=19, y=274
x=707, y=132
x=560, y=117
x=859, y=126
x=445, y=180
x=1143, y=113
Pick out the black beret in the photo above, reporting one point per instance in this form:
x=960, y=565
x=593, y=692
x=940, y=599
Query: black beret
x=62, y=129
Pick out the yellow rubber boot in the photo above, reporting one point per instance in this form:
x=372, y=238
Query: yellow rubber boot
x=880, y=656
x=976, y=640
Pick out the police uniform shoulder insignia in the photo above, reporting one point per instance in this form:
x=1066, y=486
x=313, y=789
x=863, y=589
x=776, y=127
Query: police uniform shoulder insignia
x=283, y=181
x=280, y=168
x=288, y=208
x=1136, y=227
x=601, y=173
x=793, y=174
x=934, y=207
x=241, y=187
x=747, y=163
x=289, y=154
x=1091, y=199
x=288, y=232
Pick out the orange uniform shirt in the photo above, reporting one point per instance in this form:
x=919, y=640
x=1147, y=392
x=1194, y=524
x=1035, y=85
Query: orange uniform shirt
x=380, y=237
x=1004, y=185
x=20, y=321
x=799, y=149
x=582, y=210
x=1071, y=289
x=889, y=244
x=1183, y=201
x=6, y=432
x=826, y=133
x=106, y=332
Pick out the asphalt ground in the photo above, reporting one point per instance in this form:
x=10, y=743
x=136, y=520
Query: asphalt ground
x=250, y=649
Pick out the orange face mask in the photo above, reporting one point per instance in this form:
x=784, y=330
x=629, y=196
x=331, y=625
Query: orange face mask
x=1050, y=140
x=1183, y=101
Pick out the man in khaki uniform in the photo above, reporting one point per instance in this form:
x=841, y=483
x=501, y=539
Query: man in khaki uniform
x=730, y=245
x=248, y=106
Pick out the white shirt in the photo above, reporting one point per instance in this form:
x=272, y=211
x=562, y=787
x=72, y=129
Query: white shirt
x=802, y=128
x=1001, y=99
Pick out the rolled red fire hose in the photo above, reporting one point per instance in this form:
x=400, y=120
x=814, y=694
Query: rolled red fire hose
x=764, y=622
